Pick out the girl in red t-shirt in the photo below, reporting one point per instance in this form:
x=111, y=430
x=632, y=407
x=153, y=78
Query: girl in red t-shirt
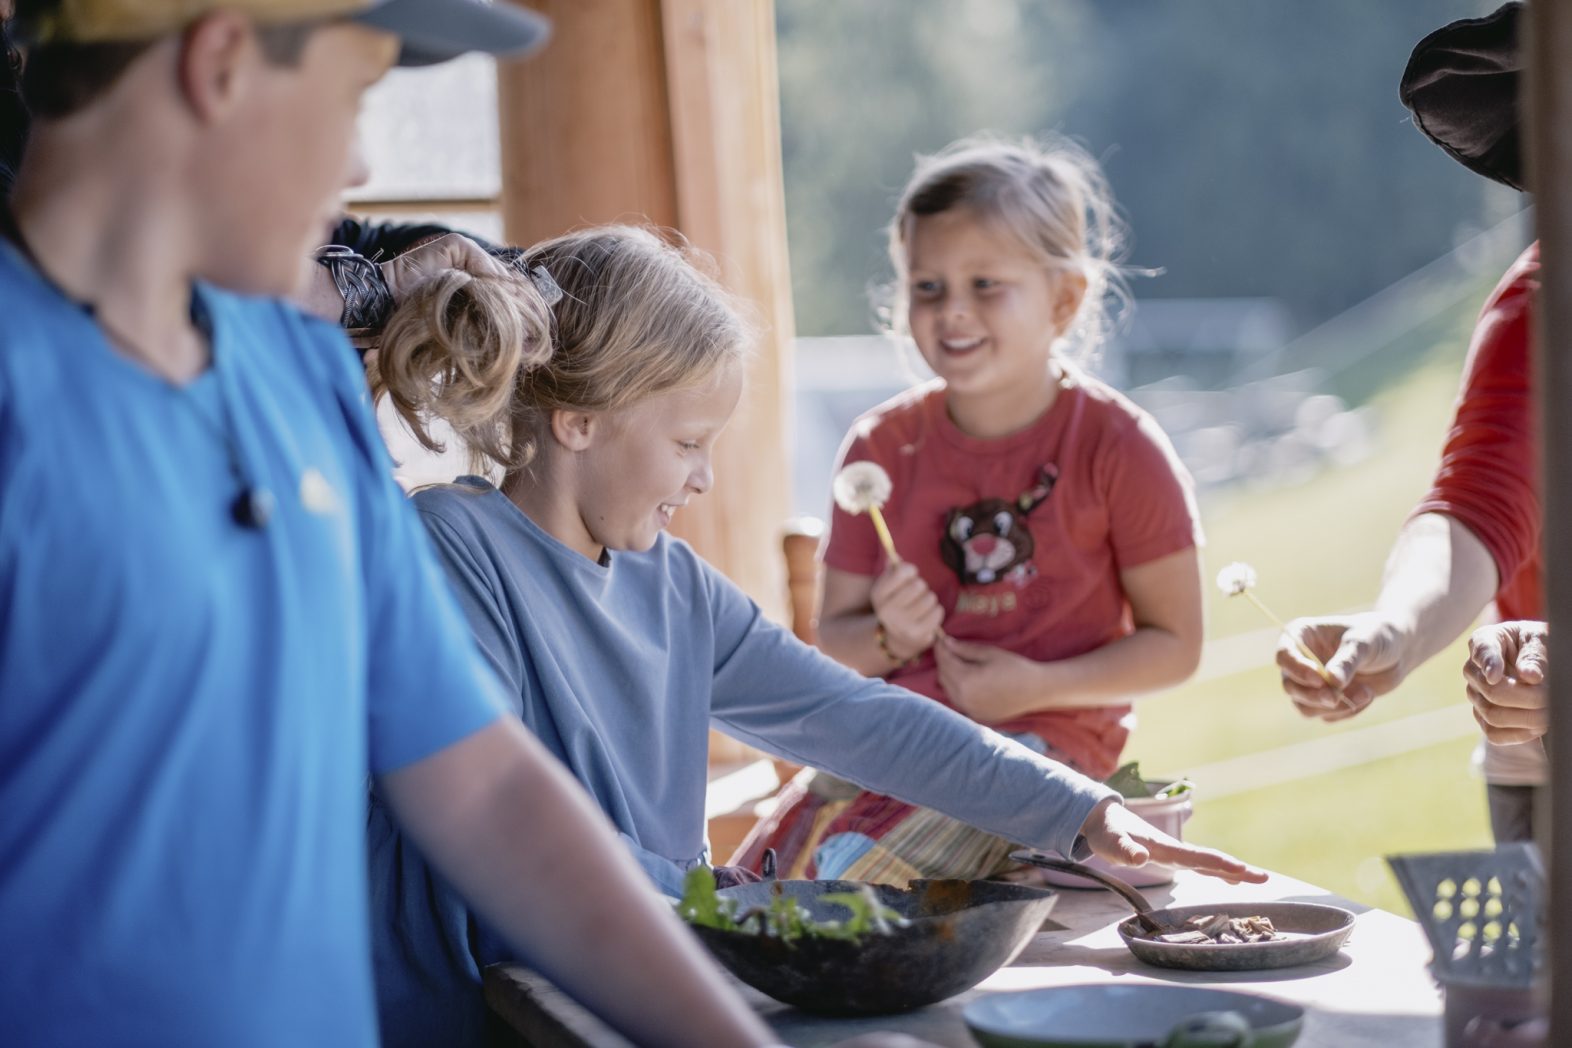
x=1048, y=533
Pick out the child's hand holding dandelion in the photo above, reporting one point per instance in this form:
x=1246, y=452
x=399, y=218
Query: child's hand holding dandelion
x=907, y=614
x=1238, y=580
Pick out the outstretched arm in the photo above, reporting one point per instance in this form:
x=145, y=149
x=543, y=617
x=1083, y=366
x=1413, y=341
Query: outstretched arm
x=528, y=849
x=790, y=700
x=1438, y=578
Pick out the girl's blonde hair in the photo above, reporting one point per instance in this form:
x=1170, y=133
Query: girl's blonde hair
x=636, y=316
x=1049, y=193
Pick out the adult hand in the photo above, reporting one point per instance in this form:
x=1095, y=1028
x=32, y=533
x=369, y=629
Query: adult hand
x=1117, y=834
x=908, y=610
x=320, y=296
x=1506, y=674
x=451, y=251
x=987, y=683
x=1362, y=654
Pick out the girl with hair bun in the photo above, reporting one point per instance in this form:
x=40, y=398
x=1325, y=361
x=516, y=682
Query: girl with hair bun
x=1047, y=531
x=598, y=404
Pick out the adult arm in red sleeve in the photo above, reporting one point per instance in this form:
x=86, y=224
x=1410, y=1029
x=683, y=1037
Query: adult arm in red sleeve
x=1468, y=536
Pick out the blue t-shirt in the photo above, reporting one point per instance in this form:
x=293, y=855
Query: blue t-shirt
x=620, y=668
x=189, y=709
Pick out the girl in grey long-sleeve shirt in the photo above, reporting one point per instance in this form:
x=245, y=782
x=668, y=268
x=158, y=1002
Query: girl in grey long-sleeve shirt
x=620, y=646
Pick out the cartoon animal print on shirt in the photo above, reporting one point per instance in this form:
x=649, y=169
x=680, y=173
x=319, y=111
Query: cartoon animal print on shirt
x=988, y=540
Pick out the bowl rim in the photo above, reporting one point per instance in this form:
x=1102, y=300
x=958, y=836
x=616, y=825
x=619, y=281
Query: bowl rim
x=974, y=1020
x=1346, y=918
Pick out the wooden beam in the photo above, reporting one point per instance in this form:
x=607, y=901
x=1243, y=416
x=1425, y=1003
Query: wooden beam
x=585, y=133
x=668, y=110
x=725, y=120
x=1548, y=103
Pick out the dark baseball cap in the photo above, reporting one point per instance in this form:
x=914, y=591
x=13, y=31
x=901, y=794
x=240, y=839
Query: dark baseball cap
x=1462, y=83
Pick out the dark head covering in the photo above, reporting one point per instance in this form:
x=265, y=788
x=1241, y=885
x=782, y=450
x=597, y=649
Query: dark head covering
x=13, y=115
x=1461, y=84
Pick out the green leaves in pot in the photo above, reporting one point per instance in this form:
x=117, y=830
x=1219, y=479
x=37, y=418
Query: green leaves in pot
x=1129, y=784
x=783, y=918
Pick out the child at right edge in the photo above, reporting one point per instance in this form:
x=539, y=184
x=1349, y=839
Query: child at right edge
x=1047, y=534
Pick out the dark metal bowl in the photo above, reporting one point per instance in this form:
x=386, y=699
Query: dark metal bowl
x=960, y=932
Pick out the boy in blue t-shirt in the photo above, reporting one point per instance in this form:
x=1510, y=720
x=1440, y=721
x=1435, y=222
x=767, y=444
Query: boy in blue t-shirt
x=217, y=614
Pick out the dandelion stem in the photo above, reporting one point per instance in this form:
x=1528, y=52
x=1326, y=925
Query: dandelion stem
x=884, y=534
x=1320, y=667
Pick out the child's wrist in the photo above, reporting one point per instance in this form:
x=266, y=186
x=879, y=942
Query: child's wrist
x=881, y=636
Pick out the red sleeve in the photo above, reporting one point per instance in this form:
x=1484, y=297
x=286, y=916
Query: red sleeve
x=1151, y=500
x=852, y=544
x=1488, y=478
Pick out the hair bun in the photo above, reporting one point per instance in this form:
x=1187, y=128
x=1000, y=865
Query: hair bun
x=455, y=349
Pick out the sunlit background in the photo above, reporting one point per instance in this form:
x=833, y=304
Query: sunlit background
x=1319, y=265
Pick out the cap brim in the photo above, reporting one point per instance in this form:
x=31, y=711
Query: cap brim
x=438, y=30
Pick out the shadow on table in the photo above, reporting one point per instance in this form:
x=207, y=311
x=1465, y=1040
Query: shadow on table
x=1260, y=975
x=1117, y=960
x=1327, y=1026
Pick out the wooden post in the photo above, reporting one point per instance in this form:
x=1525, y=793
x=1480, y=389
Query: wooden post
x=1548, y=87
x=800, y=544
x=668, y=110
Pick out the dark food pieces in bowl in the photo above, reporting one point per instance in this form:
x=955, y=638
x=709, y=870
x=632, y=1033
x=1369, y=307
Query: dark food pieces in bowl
x=955, y=934
x=1220, y=928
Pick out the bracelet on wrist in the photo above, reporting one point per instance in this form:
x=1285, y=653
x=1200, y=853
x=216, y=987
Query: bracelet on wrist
x=367, y=300
x=883, y=638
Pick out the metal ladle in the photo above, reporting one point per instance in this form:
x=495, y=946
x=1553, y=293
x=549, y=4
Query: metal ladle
x=1143, y=908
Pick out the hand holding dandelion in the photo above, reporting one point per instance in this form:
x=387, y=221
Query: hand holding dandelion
x=863, y=487
x=1237, y=580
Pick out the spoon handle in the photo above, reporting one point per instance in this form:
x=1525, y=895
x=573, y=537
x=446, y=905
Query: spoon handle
x=1137, y=901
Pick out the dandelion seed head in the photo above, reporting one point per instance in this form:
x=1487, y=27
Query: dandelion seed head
x=1236, y=578
x=860, y=486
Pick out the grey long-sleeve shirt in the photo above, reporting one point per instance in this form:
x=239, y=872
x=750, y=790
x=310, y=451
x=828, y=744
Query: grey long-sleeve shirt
x=620, y=668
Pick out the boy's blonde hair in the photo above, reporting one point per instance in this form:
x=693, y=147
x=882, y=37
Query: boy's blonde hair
x=637, y=316
x=1049, y=193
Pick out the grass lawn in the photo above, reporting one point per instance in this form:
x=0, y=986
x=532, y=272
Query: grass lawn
x=1319, y=547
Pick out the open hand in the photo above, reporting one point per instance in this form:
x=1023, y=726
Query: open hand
x=1362, y=656
x=908, y=609
x=1506, y=674
x=1117, y=834
x=987, y=683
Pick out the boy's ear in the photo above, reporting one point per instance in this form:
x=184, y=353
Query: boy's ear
x=1072, y=289
x=574, y=430
x=218, y=55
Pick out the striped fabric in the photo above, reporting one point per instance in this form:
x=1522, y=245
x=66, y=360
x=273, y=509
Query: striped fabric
x=824, y=828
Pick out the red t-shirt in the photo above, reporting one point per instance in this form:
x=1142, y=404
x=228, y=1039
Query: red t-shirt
x=1022, y=538
x=1489, y=475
